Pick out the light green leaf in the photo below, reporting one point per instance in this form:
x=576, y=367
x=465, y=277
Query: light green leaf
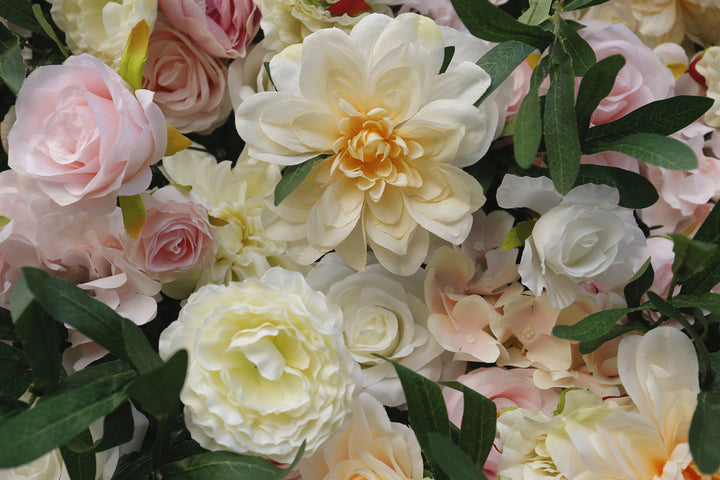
x=133, y=213
x=500, y=62
x=135, y=55
x=519, y=233
x=578, y=4
x=705, y=432
x=538, y=11
x=597, y=83
x=293, y=176
x=650, y=148
x=12, y=65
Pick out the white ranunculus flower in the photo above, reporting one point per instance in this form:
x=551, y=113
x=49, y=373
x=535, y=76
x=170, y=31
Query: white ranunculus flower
x=101, y=27
x=382, y=314
x=582, y=236
x=370, y=448
x=709, y=67
x=267, y=367
x=396, y=134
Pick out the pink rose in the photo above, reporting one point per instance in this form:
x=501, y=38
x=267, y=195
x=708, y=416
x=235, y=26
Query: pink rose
x=83, y=134
x=177, y=235
x=223, y=28
x=190, y=86
x=643, y=79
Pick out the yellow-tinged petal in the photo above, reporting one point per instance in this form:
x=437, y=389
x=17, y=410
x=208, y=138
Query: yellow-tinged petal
x=677, y=68
x=176, y=141
x=135, y=55
x=133, y=212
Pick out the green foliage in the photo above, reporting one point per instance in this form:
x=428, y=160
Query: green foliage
x=477, y=431
x=650, y=148
x=12, y=66
x=528, y=119
x=452, y=461
x=635, y=190
x=157, y=391
x=595, y=325
x=500, y=62
x=705, y=432
x=293, y=176
x=15, y=376
x=596, y=84
x=517, y=236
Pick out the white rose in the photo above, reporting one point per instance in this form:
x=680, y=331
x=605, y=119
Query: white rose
x=101, y=27
x=582, y=236
x=384, y=315
x=267, y=367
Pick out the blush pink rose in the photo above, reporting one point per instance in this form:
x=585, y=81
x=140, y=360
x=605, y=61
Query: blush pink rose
x=643, y=79
x=176, y=238
x=83, y=135
x=223, y=28
x=190, y=86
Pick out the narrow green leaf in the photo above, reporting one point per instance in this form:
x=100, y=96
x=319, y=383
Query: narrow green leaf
x=528, y=121
x=690, y=256
x=226, y=465
x=134, y=466
x=12, y=65
x=589, y=346
x=66, y=303
x=293, y=176
x=666, y=308
x=709, y=231
x=635, y=190
x=559, y=124
x=118, y=428
x=80, y=466
x=594, y=325
x=537, y=12
x=500, y=62
x=447, y=58
x=639, y=284
x=20, y=13
x=519, y=233
x=452, y=460
x=705, y=432
x=158, y=391
x=651, y=148
x=486, y=21
x=48, y=29
x=581, y=54
x=662, y=117
x=708, y=301
x=477, y=431
x=578, y=4
x=56, y=419
x=15, y=375
x=704, y=280
x=9, y=407
x=597, y=83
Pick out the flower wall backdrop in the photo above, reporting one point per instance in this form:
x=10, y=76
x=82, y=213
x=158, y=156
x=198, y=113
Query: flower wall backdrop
x=350, y=239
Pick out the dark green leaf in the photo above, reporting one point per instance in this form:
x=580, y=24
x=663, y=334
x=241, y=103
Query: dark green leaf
x=48, y=29
x=578, y=4
x=663, y=307
x=559, y=124
x=12, y=65
x=597, y=83
x=80, y=466
x=528, y=121
x=68, y=304
x=7, y=329
x=500, y=62
x=117, y=429
x=709, y=231
x=134, y=466
x=20, y=13
x=293, y=176
x=158, y=391
x=39, y=337
x=15, y=376
x=9, y=407
x=705, y=432
x=447, y=58
x=594, y=325
x=715, y=367
x=708, y=301
x=704, y=280
x=477, y=431
x=662, y=117
x=452, y=460
x=615, y=331
x=690, y=256
x=650, y=148
x=635, y=190
x=581, y=54
x=226, y=465
x=485, y=20
x=56, y=419
x=639, y=284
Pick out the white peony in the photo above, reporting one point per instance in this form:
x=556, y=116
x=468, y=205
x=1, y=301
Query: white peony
x=396, y=134
x=582, y=236
x=382, y=314
x=101, y=27
x=267, y=367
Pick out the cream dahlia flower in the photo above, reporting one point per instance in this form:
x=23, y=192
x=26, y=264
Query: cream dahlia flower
x=394, y=133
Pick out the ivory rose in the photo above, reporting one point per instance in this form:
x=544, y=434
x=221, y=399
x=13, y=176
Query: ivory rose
x=582, y=236
x=392, y=133
x=101, y=27
x=176, y=237
x=83, y=135
x=267, y=367
x=223, y=28
x=190, y=86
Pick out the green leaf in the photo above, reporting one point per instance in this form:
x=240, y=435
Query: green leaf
x=133, y=214
x=528, y=121
x=650, y=148
x=158, y=391
x=80, y=466
x=451, y=459
x=705, y=432
x=581, y=54
x=537, y=12
x=690, y=256
x=704, y=280
x=589, y=346
x=48, y=29
x=486, y=21
x=118, y=428
x=447, y=58
x=662, y=117
x=293, y=176
x=635, y=190
x=39, y=337
x=15, y=376
x=66, y=303
x=709, y=231
x=639, y=284
x=594, y=325
x=226, y=465
x=597, y=83
x=477, y=431
x=12, y=65
x=134, y=466
x=578, y=4
x=708, y=301
x=7, y=329
x=58, y=418
x=519, y=233
x=559, y=124
x=20, y=13
x=135, y=55
x=500, y=62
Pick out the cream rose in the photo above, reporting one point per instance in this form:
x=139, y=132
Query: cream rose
x=83, y=135
x=267, y=366
x=101, y=27
x=582, y=236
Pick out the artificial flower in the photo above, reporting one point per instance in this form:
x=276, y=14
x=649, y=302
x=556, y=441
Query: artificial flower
x=709, y=67
x=267, y=367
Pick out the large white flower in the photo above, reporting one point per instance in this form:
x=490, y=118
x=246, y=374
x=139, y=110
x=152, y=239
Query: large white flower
x=267, y=367
x=582, y=236
x=395, y=131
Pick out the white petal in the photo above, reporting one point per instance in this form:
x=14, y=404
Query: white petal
x=538, y=193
